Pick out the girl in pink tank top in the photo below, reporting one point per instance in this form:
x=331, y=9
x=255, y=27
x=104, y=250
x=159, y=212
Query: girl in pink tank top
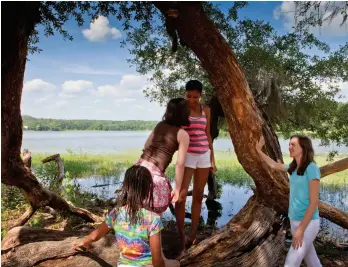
x=199, y=143
x=199, y=161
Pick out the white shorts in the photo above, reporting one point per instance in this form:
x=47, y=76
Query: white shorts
x=198, y=161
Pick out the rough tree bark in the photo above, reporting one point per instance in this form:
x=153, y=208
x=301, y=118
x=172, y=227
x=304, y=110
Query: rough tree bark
x=249, y=239
x=54, y=248
x=24, y=17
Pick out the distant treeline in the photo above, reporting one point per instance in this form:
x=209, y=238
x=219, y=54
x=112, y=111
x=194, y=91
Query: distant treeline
x=35, y=124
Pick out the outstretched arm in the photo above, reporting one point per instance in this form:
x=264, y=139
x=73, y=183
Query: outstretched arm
x=156, y=250
x=93, y=237
x=270, y=162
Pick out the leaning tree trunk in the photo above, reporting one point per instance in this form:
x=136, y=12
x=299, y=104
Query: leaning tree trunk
x=253, y=237
x=24, y=17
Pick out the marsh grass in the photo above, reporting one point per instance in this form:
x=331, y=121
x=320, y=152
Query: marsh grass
x=229, y=170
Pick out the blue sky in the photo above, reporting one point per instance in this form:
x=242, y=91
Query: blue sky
x=89, y=78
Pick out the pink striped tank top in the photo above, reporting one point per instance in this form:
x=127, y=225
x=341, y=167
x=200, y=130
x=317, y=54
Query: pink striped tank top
x=198, y=138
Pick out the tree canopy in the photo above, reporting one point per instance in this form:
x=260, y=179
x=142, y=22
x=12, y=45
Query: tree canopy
x=297, y=88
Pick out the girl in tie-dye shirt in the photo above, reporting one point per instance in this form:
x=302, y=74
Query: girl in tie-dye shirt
x=137, y=229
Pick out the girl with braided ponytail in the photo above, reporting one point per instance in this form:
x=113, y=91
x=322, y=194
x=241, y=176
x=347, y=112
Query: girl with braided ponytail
x=137, y=229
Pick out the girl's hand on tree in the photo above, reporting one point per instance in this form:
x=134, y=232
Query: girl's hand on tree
x=260, y=143
x=83, y=245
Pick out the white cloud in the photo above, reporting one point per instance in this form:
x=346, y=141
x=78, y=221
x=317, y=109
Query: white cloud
x=130, y=86
x=103, y=111
x=44, y=99
x=80, y=69
x=99, y=30
x=38, y=85
x=66, y=95
x=125, y=100
x=286, y=13
x=71, y=87
x=61, y=103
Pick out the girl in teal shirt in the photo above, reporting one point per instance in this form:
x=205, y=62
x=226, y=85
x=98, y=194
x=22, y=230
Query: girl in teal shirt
x=304, y=198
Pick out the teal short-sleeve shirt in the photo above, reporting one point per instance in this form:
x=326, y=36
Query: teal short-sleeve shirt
x=299, y=192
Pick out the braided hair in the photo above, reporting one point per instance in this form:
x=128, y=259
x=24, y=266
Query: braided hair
x=136, y=192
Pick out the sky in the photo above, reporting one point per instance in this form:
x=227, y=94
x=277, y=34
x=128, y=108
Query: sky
x=89, y=77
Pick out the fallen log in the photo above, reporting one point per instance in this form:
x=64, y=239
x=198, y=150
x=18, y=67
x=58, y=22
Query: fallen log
x=26, y=247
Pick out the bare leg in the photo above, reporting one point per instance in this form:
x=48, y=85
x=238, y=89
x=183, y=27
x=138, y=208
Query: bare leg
x=180, y=206
x=199, y=182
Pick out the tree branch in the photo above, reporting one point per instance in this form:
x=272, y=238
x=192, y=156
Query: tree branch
x=333, y=214
x=60, y=164
x=25, y=217
x=334, y=167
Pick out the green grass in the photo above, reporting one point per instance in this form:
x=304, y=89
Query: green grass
x=111, y=165
x=83, y=165
x=229, y=169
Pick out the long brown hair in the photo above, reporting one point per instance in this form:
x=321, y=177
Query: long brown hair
x=136, y=192
x=307, y=155
x=177, y=113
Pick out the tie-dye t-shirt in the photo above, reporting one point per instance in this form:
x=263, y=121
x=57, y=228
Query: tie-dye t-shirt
x=133, y=240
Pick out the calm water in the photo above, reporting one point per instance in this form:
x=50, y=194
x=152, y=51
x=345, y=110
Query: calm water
x=116, y=142
x=232, y=199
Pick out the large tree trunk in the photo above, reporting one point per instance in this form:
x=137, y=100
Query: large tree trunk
x=24, y=17
x=250, y=238
x=244, y=119
x=254, y=237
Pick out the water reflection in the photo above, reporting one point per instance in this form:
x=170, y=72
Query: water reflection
x=233, y=198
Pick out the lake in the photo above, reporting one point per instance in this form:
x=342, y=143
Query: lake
x=233, y=196
x=94, y=142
